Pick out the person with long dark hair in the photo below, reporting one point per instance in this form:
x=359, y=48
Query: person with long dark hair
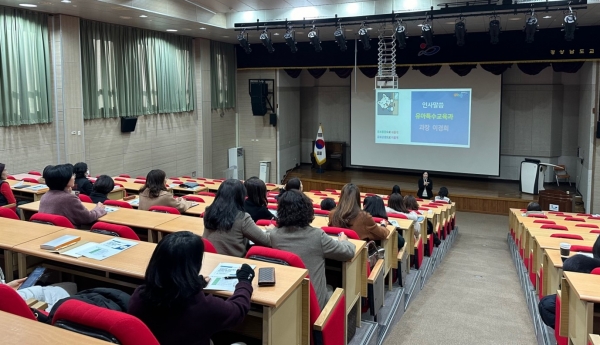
x=155, y=193
x=396, y=189
x=256, y=203
x=413, y=207
x=396, y=205
x=295, y=234
x=292, y=184
x=443, y=195
x=60, y=201
x=172, y=303
x=374, y=206
x=347, y=214
x=227, y=225
x=104, y=185
x=82, y=184
x=425, y=187
x=6, y=195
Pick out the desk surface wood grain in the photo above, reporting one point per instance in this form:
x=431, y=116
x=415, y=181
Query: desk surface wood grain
x=585, y=286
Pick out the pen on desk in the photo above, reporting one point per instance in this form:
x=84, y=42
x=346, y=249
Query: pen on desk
x=230, y=277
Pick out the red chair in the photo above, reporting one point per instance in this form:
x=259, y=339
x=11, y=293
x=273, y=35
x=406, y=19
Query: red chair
x=331, y=326
x=537, y=215
x=419, y=199
x=596, y=271
x=140, y=181
x=52, y=219
x=6, y=212
x=579, y=248
x=379, y=220
x=588, y=225
x=543, y=221
x=164, y=209
x=554, y=227
x=423, y=209
x=208, y=247
x=185, y=176
x=265, y=222
x=10, y=177
x=271, y=184
x=338, y=193
x=114, y=230
x=595, y=232
x=85, y=198
x=271, y=200
x=30, y=180
x=173, y=178
x=575, y=219
x=583, y=214
x=200, y=178
x=321, y=212
x=314, y=191
x=329, y=190
x=272, y=207
x=220, y=180
x=118, y=203
x=193, y=198
x=556, y=213
x=569, y=236
x=194, y=181
x=560, y=340
x=11, y=302
x=594, y=218
x=208, y=182
x=370, y=194
x=120, y=179
x=317, y=206
x=36, y=173
x=397, y=215
x=104, y=324
x=124, y=175
x=140, y=177
x=207, y=194
x=332, y=230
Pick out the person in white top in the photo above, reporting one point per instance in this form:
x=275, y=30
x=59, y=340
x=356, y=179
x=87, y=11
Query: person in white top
x=396, y=205
x=443, y=195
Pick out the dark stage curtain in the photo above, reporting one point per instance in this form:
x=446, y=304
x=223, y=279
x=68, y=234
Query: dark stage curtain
x=532, y=68
x=567, y=67
x=400, y=71
x=462, y=70
x=496, y=68
x=429, y=71
x=369, y=72
x=317, y=72
x=294, y=73
x=342, y=72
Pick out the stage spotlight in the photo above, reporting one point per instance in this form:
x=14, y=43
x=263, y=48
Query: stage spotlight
x=494, y=30
x=340, y=38
x=427, y=34
x=244, y=41
x=266, y=40
x=290, y=39
x=313, y=36
x=460, y=31
x=530, y=27
x=400, y=33
x=570, y=24
x=363, y=34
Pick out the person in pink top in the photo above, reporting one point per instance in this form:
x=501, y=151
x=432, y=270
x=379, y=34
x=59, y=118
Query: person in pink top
x=61, y=201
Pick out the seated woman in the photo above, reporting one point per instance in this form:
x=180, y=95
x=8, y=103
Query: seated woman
x=295, y=234
x=327, y=204
x=374, y=206
x=172, y=303
x=227, y=226
x=443, y=195
x=82, y=184
x=47, y=294
x=396, y=205
x=154, y=193
x=256, y=203
x=348, y=214
x=104, y=185
x=425, y=187
x=6, y=194
x=60, y=201
x=396, y=189
x=413, y=207
x=293, y=183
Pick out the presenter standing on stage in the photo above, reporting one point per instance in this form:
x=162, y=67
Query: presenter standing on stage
x=425, y=187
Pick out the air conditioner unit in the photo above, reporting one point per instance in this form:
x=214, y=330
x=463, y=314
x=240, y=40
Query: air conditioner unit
x=236, y=162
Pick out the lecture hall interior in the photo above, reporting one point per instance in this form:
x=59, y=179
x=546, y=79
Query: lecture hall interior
x=300, y=172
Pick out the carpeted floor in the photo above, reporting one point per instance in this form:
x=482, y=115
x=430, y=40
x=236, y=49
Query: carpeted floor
x=474, y=296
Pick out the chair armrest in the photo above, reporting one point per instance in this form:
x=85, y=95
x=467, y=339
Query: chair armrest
x=375, y=272
x=401, y=252
x=10, y=205
x=333, y=303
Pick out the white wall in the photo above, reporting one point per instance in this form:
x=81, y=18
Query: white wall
x=587, y=100
x=288, y=123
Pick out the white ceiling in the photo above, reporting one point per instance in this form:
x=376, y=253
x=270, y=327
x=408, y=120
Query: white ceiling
x=218, y=17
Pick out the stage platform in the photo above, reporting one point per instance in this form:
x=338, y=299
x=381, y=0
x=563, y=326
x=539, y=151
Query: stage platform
x=470, y=194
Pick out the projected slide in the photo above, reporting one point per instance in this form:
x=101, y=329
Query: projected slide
x=427, y=117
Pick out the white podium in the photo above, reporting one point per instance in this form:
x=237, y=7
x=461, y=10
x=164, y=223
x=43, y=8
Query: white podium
x=533, y=173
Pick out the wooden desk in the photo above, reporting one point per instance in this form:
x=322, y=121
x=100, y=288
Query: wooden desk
x=15, y=232
x=594, y=339
x=285, y=306
x=194, y=210
x=553, y=265
x=133, y=188
x=117, y=193
x=19, y=330
x=26, y=193
x=193, y=224
x=579, y=293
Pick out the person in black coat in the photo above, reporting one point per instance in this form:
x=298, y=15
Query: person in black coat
x=104, y=185
x=256, y=203
x=82, y=184
x=425, y=187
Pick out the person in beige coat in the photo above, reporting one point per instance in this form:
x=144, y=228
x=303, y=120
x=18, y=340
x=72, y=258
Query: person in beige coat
x=154, y=193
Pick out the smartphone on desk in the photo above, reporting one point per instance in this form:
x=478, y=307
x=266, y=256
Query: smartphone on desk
x=33, y=278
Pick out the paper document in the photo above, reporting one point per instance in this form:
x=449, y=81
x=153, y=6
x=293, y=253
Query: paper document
x=100, y=251
x=37, y=187
x=134, y=202
x=119, y=244
x=394, y=223
x=420, y=219
x=109, y=209
x=221, y=277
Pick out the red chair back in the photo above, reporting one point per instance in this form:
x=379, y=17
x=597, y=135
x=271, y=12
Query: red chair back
x=208, y=182
x=332, y=230
x=33, y=172
x=314, y=191
x=11, y=302
x=207, y=194
x=537, y=215
x=569, y=236
x=208, y=247
x=543, y=221
x=397, y=215
x=80, y=317
x=329, y=190
x=141, y=178
x=120, y=179
x=30, y=180
x=584, y=249
x=583, y=214
x=164, y=209
x=201, y=178
x=556, y=213
x=554, y=227
x=575, y=219
x=6, y=212
x=378, y=219
x=272, y=207
x=587, y=225
x=317, y=206
x=85, y=198
x=52, y=219
x=193, y=198
x=271, y=200
x=115, y=230
x=595, y=232
x=321, y=212
x=270, y=184
x=118, y=203
x=265, y=222
x=10, y=177
x=140, y=181
x=124, y=175
x=596, y=271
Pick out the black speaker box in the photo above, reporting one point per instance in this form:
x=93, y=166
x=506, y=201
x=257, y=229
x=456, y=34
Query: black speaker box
x=128, y=124
x=258, y=97
x=273, y=119
x=598, y=130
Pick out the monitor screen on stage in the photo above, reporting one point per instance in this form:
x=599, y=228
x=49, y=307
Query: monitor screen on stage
x=442, y=123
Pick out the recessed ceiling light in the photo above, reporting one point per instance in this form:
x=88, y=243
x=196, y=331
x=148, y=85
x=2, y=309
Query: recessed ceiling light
x=124, y=17
x=514, y=18
x=450, y=23
x=28, y=5
x=66, y=1
x=276, y=34
x=420, y=25
x=202, y=28
x=171, y=30
x=300, y=32
x=547, y=17
x=225, y=36
x=348, y=30
x=143, y=16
